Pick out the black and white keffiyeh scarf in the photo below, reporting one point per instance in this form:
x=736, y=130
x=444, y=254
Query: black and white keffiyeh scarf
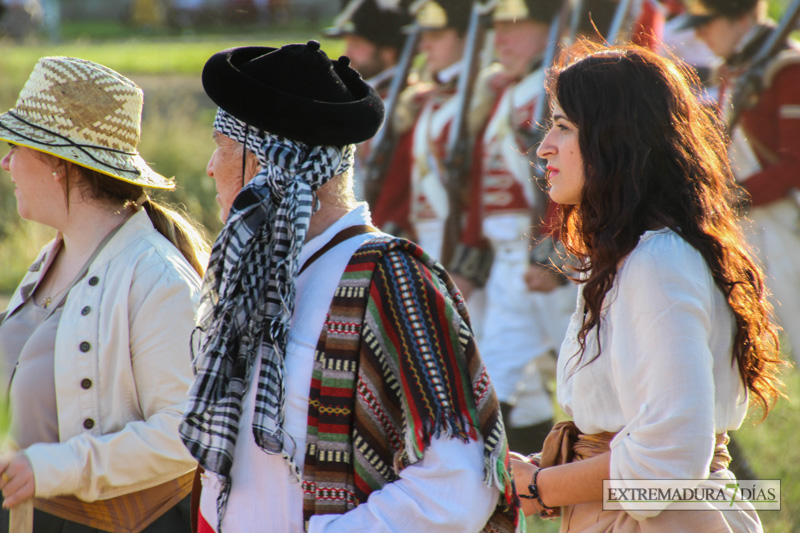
x=247, y=298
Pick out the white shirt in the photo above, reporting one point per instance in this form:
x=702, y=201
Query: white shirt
x=443, y=492
x=664, y=379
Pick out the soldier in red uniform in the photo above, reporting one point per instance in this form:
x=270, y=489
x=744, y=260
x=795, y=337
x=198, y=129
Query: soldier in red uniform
x=373, y=36
x=428, y=109
x=519, y=326
x=765, y=144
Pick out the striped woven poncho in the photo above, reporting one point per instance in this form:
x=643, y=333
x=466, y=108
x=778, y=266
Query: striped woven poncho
x=396, y=365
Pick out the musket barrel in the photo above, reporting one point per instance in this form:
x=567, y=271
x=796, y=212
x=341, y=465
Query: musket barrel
x=383, y=144
x=456, y=160
x=749, y=83
x=619, y=19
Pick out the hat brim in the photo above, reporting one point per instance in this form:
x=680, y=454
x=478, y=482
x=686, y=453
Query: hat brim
x=124, y=166
x=691, y=22
x=336, y=32
x=313, y=122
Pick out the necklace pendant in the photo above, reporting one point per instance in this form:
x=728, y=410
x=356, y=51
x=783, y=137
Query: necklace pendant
x=47, y=301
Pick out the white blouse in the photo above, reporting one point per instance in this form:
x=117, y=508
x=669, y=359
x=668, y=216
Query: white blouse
x=664, y=379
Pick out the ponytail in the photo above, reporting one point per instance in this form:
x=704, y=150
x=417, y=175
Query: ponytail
x=181, y=233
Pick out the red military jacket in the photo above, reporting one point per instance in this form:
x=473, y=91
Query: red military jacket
x=772, y=128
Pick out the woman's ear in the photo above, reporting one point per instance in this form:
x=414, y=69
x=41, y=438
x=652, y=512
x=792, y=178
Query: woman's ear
x=60, y=171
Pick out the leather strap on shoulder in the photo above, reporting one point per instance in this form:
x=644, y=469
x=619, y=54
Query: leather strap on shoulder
x=339, y=238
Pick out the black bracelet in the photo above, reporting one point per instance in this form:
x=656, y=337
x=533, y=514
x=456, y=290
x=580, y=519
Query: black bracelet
x=533, y=488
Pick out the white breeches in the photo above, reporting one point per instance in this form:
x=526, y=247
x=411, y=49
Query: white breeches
x=519, y=327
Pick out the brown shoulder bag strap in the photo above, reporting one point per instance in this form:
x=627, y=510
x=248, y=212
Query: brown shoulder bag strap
x=337, y=239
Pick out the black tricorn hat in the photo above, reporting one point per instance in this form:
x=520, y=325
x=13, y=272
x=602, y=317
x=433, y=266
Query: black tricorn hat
x=700, y=12
x=294, y=91
x=379, y=24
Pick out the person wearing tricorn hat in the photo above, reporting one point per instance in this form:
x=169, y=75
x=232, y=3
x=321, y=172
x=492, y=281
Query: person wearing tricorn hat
x=338, y=386
x=93, y=344
x=373, y=36
x=765, y=144
x=428, y=109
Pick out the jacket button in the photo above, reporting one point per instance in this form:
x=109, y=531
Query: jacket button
x=86, y=310
x=85, y=346
x=86, y=383
x=88, y=423
x=94, y=280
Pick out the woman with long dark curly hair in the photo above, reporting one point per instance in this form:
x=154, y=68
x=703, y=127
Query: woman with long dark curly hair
x=672, y=334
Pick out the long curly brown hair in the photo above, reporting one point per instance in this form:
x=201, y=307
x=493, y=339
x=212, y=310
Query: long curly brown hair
x=653, y=157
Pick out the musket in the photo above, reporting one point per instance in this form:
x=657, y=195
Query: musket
x=457, y=159
x=749, y=84
x=384, y=143
x=622, y=18
x=575, y=20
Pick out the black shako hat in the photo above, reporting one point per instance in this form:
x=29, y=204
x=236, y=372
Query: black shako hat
x=379, y=24
x=699, y=12
x=294, y=91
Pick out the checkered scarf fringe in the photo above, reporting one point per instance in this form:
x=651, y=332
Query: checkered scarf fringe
x=248, y=296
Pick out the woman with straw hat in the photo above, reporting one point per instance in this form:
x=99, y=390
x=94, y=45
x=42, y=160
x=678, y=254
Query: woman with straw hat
x=95, y=340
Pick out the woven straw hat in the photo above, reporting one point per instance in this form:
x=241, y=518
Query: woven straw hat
x=85, y=113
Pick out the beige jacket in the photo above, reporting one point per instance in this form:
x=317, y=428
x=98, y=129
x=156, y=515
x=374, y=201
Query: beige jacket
x=122, y=368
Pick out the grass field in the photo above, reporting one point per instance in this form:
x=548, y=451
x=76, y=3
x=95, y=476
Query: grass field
x=176, y=140
x=172, y=56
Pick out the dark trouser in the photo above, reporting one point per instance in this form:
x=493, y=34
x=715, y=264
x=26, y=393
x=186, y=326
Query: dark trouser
x=176, y=520
x=525, y=440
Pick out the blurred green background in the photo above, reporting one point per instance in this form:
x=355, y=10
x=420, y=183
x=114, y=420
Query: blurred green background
x=176, y=124
x=164, y=54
